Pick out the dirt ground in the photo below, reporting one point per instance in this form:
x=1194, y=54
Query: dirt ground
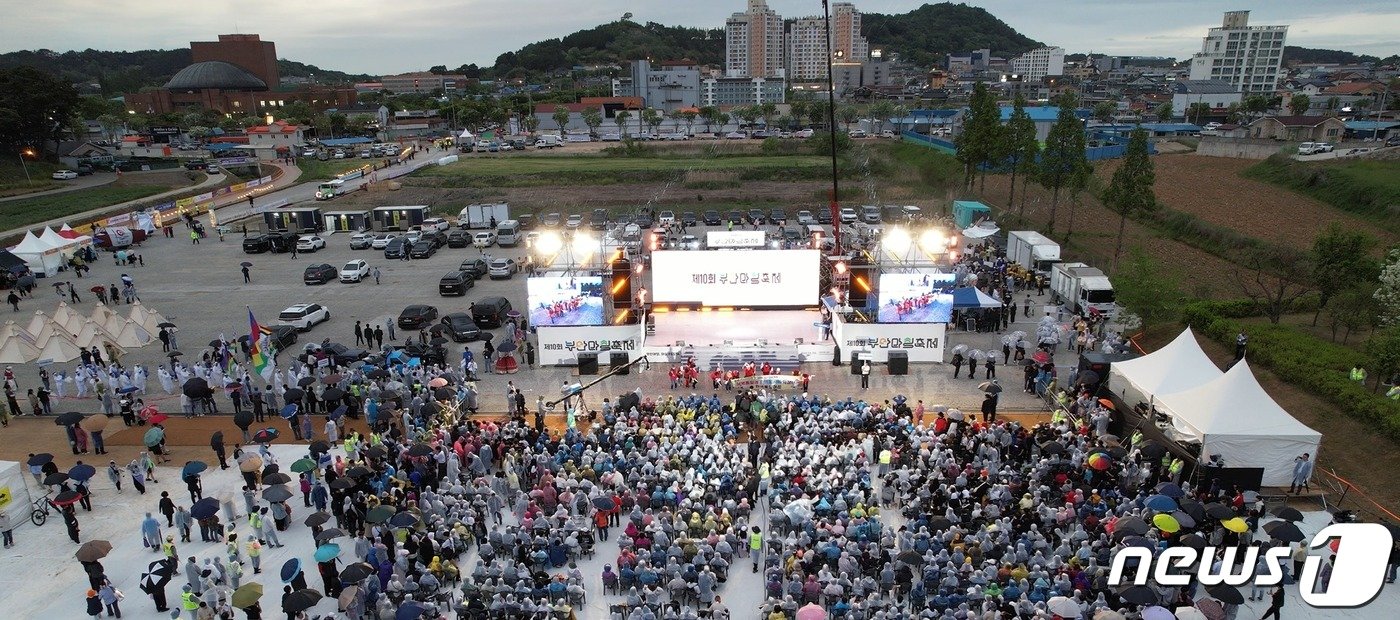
x=1213, y=189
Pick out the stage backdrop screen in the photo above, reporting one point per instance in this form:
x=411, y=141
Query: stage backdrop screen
x=565, y=300
x=916, y=297
x=735, y=277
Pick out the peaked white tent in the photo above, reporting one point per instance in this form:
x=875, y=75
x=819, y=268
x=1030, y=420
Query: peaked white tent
x=114, y=323
x=101, y=315
x=16, y=347
x=146, y=317
x=132, y=335
x=92, y=334
x=69, y=319
x=1232, y=416
x=59, y=348
x=65, y=245
x=40, y=328
x=41, y=257
x=1178, y=366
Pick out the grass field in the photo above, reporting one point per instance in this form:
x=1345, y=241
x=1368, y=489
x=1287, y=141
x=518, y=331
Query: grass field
x=1369, y=188
x=13, y=180
x=563, y=164
x=17, y=213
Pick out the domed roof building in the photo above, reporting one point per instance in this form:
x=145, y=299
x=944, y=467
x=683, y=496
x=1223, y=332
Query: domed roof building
x=215, y=74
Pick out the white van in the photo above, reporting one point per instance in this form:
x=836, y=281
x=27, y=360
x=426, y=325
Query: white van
x=548, y=141
x=508, y=233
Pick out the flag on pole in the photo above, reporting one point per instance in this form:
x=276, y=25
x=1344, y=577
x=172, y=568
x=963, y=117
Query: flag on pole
x=261, y=361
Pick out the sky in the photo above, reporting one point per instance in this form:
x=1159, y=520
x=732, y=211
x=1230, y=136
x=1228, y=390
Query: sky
x=377, y=37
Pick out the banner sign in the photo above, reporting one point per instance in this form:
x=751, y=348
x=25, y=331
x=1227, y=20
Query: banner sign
x=561, y=345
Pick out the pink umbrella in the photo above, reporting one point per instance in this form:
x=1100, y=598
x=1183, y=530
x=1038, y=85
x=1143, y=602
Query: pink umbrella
x=811, y=611
x=1212, y=608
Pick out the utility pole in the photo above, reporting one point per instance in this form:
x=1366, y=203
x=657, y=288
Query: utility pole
x=831, y=128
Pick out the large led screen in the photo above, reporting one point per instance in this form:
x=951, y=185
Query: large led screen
x=565, y=300
x=916, y=297
x=735, y=277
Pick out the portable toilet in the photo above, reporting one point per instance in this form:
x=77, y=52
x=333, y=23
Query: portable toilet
x=399, y=218
x=346, y=221
x=294, y=219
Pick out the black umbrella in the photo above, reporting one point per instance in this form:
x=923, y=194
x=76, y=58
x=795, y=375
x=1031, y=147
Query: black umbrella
x=1152, y=450
x=603, y=503
x=403, y=519
x=216, y=343
x=1193, y=508
x=376, y=452
x=1052, y=447
x=1194, y=541
x=420, y=449
x=277, y=478
x=55, y=478
x=266, y=435
x=1225, y=593
x=82, y=472
x=161, y=568
x=1288, y=513
x=166, y=324
x=245, y=264
x=68, y=419
x=1285, y=531
x=278, y=493
x=342, y=484
x=271, y=469
x=1138, y=595
x=174, y=354
x=357, y=572
x=911, y=557
x=1219, y=511
x=205, y=508
x=316, y=518
x=938, y=524
x=305, y=381
x=444, y=393
x=332, y=395
x=438, y=340
x=294, y=394
x=1087, y=377
x=327, y=535
x=358, y=471
x=196, y=388
x=40, y=459
x=378, y=373
x=67, y=498
x=243, y=419
x=319, y=447
x=1131, y=526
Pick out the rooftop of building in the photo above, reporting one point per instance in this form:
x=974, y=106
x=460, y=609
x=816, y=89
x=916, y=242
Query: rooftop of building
x=215, y=74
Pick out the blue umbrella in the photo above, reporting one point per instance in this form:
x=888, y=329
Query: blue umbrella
x=82, y=472
x=205, y=508
x=194, y=467
x=1170, y=489
x=127, y=390
x=289, y=410
x=1161, y=503
x=409, y=611
x=403, y=519
x=327, y=552
x=290, y=570
x=339, y=411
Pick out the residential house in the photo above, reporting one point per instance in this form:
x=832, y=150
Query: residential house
x=278, y=134
x=1218, y=94
x=1298, y=128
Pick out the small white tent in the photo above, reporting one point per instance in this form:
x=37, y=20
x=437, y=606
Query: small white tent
x=40, y=327
x=92, y=334
x=1178, y=366
x=101, y=315
x=132, y=335
x=65, y=245
x=146, y=317
x=42, y=258
x=1234, y=417
x=59, y=348
x=69, y=319
x=16, y=346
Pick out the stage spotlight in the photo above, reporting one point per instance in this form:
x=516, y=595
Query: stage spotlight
x=861, y=283
x=932, y=241
x=621, y=282
x=841, y=267
x=548, y=244
x=896, y=239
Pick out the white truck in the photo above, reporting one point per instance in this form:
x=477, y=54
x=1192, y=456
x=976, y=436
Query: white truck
x=1032, y=250
x=1082, y=288
x=483, y=215
x=331, y=189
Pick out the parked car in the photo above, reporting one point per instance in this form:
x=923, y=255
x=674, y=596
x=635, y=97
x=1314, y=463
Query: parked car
x=735, y=135
x=803, y=133
x=848, y=215
x=336, y=352
x=381, y=240
x=474, y=267
x=354, y=271
x=870, y=214
x=490, y=311
x=361, y=241
x=417, y=316
x=777, y=216
x=666, y=218
x=461, y=327
x=688, y=218
x=574, y=222
x=304, y=316
x=455, y=283
x=712, y=218
x=425, y=248
x=459, y=239
x=804, y=218
x=484, y=238
x=736, y=217
x=858, y=133
x=503, y=268
x=397, y=247
x=319, y=274
x=551, y=220
x=257, y=244
x=65, y=175
x=823, y=216
x=598, y=220
x=436, y=223
x=756, y=216
x=526, y=221
x=310, y=243
x=282, y=337
x=643, y=219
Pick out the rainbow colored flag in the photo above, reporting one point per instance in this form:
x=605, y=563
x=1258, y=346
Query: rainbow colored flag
x=262, y=361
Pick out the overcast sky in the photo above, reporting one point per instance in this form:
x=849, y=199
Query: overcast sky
x=375, y=36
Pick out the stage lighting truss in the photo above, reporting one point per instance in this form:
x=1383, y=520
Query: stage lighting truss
x=927, y=247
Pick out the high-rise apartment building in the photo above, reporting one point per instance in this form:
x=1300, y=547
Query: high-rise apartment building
x=1247, y=57
x=1034, y=65
x=753, y=43
x=807, y=43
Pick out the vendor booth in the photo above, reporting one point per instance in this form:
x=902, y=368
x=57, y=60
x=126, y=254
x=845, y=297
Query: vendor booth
x=1178, y=366
x=43, y=259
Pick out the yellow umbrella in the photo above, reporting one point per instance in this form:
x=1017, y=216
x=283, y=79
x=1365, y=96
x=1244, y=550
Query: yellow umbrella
x=1167, y=523
x=1236, y=525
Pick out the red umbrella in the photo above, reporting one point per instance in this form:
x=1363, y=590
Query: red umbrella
x=1041, y=357
x=1106, y=402
x=157, y=418
x=148, y=411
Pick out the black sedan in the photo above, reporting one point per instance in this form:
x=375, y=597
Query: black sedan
x=461, y=327
x=341, y=354
x=417, y=316
x=712, y=218
x=474, y=266
x=459, y=239
x=320, y=274
x=688, y=218
x=423, y=249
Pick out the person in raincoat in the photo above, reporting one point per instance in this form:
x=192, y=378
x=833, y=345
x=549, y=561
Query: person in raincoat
x=114, y=473
x=150, y=532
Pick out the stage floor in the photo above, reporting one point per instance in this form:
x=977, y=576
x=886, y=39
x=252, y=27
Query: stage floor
x=741, y=327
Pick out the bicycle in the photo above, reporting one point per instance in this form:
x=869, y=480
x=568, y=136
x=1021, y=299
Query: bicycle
x=40, y=510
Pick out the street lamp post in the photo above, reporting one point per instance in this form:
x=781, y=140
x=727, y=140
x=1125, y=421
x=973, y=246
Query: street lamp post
x=24, y=164
x=831, y=129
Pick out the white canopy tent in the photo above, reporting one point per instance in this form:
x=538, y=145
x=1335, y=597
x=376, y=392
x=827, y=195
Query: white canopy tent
x=65, y=245
x=1233, y=417
x=1178, y=366
x=42, y=258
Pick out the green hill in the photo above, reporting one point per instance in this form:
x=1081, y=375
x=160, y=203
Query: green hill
x=122, y=72
x=923, y=36
x=616, y=42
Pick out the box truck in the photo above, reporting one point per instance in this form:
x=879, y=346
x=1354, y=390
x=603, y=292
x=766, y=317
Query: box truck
x=483, y=215
x=1032, y=250
x=1082, y=288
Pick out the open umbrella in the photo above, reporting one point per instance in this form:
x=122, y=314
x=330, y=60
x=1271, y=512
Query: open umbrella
x=82, y=472
x=277, y=478
x=95, y=423
x=39, y=459
x=339, y=412
x=301, y=466
x=444, y=393
x=316, y=518
x=1063, y=606
x=1041, y=357
x=277, y=493
x=1286, y=531
x=1052, y=447
x=1087, y=377
x=194, y=467
x=246, y=595
x=331, y=379
x=266, y=435
x=1170, y=489
x=93, y=550
x=1099, y=461
x=358, y=471
x=376, y=452
x=911, y=557
x=162, y=568
x=245, y=264
x=250, y=464
x=1130, y=526
x=1236, y=525
x=506, y=347
x=990, y=387
x=289, y=411
x=68, y=419
x=327, y=552
x=154, y=437
x=1226, y=593
x=1212, y=608
x=1156, y=612
x=157, y=418
x=1288, y=513
x=1161, y=503
x=420, y=449
x=938, y=524
x=1183, y=519
x=1192, y=507
x=305, y=381
x=403, y=519
x=603, y=503
x=1166, y=523
x=196, y=388
x=1152, y=450
x=437, y=382
x=67, y=498
x=414, y=611
x=173, y=354
x=347, y=596
x=332, y=395
x=1107, y=404
x=1219, y=511
x=294, y=394
x=300, y=601
x=329, y=535
x=357, y=572
x=379, y=514
x=1189, y=613
x=1139, y=541
x=319, y=447
x=1194, y=541
x=243, y=419
x=378, y=373
x=205, y=508
x=55, y=478
x=290, y=569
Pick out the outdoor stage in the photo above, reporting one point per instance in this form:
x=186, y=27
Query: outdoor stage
x=731, y=337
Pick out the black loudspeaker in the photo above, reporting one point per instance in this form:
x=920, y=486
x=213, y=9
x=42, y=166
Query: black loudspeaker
x=621, y=287
x=587, y=363
x=855, y=363
x=618, y=361
x=899, y=362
